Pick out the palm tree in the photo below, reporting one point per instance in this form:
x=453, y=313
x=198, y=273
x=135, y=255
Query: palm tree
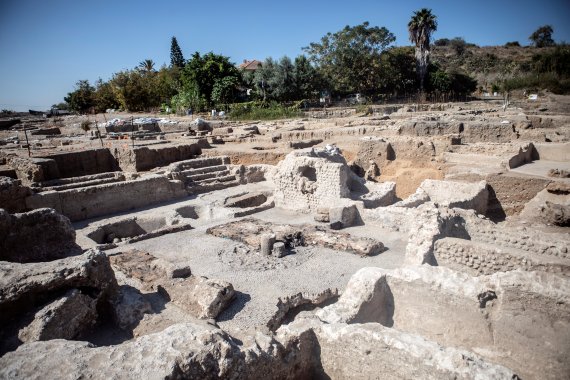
x=146, y=66
x=421, y=27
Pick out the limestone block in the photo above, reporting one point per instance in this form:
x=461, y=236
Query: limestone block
x=38, y=235
x=22, y=281
x=13, y=194
x=380, y=195
x=92, y=201
x=458, y=194
x=305, y=179
x=180, y=351
x=65, y=318
x=364, y=351
x=345, y=216
x=323, y=218
x=491, y=315
x=202, y=297
x=418, y=198
x=130, y=307
x=173, y=270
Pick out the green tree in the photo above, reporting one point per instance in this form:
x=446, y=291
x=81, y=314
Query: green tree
x=61, y=106
x=224, y=90
x=176, y=57
x=421, y=26
x=350, y=58
x=459, y=45
x=264, y=78
x=307, y=79
x=542, y=37
x=442, y=42
x=166, y=83
x=439, y=81
x=399, y=71
x=133, y=90
x=104, y=96
x=204, y=71
x=82, y=98
x=462, y=84
x=188, y=98
x=146, y=66
x=283, y=83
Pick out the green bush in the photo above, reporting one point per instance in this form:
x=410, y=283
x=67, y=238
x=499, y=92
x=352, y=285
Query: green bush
x=86, y=125
x=258, y=110
x=535, y=82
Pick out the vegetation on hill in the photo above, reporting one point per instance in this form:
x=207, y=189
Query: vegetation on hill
x=355, y=59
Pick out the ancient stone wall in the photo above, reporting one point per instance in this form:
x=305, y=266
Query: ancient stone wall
x=553, y=152
x=490, y=314
x=33, y=170
x=478, y=258
x=146, y=158
x=38, y=235
x=13, y=195
x=92, y=201
x=86, y=162
x=304, y=180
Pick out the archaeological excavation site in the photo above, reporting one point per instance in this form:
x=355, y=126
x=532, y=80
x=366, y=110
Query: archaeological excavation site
x=406, y=241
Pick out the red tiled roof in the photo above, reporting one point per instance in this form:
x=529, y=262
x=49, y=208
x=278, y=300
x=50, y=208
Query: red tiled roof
x=250, y=65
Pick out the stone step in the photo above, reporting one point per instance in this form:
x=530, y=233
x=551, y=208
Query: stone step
x=82, y=184
x=226, y=178
x=207, y=176
x=71, y=180
x=208, y=169
x=197, y=163
x=204, y=188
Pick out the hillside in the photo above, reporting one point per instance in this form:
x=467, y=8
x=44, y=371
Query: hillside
x=488, y=64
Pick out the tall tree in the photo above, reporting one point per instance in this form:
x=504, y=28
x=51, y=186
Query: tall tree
x=146, y=66
x=104, y=97
x=82, y=98
x=399, y=71
x=350, y=58
x=203, y=72
x=421, y=27
x=264, y=78
x=306, y=79
x=542, y=37
x=176, y=57
x=284, y=80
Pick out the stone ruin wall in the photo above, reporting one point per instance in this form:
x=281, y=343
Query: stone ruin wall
x=147, y=158
x=303, y=183
x=101, y=160
x=482, y=259
x=89, y=202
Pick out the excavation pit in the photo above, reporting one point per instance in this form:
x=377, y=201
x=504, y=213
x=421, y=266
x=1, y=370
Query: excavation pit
x=133, y=229
x=245, y=200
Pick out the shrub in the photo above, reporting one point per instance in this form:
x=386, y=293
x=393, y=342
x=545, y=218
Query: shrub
x=534, y=82
x=86, y=125
x=259, y=110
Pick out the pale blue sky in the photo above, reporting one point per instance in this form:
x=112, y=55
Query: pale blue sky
x=47, y=46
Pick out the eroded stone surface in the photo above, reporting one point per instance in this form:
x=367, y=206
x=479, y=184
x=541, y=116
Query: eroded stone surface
x=504, y=309
x=249, y=231
x=66, y=318
x=34, y=236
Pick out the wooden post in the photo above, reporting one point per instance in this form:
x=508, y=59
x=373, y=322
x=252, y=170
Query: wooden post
x=132, y=133
x=98, y=133
x=27, y=142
